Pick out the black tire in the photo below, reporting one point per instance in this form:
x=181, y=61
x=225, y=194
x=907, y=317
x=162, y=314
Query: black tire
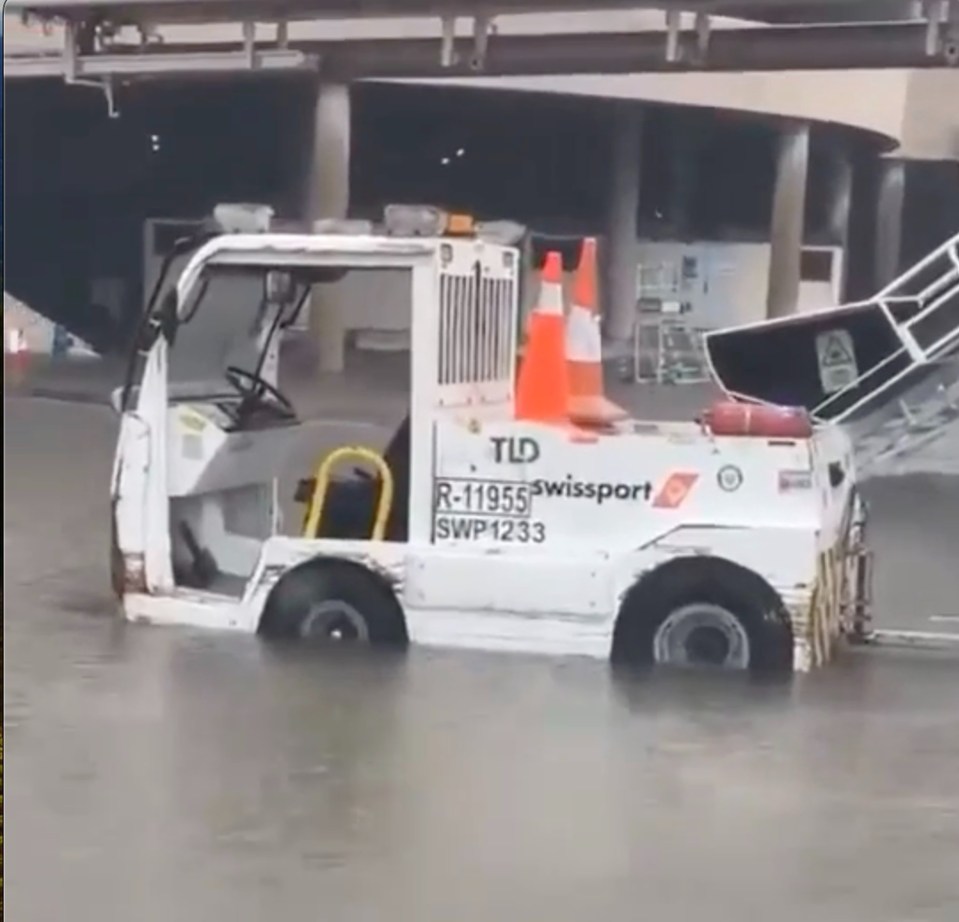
x=331, y=600
x=700, y=596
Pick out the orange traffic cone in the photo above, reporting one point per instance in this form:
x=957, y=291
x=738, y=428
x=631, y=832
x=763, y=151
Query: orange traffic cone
x=542, y=387
x=588, y=405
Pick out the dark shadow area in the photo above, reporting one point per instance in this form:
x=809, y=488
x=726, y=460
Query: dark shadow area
x=931, y=207
x=82, y=184
x=929, y=216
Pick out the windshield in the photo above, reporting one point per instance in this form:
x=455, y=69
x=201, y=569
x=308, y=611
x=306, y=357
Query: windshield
x=228, y=322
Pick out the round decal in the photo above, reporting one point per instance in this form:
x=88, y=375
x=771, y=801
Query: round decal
x=729, y=478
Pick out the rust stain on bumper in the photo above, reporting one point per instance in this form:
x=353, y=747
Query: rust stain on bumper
x=127, y=571
x=134, y=574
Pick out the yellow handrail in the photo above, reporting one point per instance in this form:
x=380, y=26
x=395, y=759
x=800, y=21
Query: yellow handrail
x=324, y=470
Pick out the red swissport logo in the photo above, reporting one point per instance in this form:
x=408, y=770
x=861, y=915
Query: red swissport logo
x=674, y=491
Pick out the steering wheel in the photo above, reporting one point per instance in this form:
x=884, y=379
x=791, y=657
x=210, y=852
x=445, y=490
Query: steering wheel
x=256, y=392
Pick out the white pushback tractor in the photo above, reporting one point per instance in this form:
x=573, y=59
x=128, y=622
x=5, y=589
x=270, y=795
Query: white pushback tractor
x=647, y=542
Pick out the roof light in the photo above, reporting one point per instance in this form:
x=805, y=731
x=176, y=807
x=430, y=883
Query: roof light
x=243, y=218
x=342, y=226
x=414, y=221
x=459, y=225
x=426, y=221
x=506, y=233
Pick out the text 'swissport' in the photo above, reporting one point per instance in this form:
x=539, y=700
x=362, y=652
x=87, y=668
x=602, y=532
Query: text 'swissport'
x=595, y=491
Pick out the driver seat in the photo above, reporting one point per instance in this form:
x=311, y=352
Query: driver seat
x=351, y=500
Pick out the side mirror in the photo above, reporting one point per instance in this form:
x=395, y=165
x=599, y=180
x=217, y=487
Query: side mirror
x=116, y=398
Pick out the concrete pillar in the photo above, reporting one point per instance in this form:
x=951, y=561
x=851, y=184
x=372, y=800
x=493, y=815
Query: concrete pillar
x=619, y=310
x=786, y=226
x=890, y=196
x=840, y=206
x=328, y=196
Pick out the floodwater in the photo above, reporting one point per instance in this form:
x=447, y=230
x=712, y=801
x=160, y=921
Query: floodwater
x=158, y=774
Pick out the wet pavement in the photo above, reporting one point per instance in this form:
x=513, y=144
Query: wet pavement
x=164, y=774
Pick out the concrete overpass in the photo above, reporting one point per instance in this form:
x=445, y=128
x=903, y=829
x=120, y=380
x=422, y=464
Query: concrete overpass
x=226, y=10
x=889, y=33
x=776, y=48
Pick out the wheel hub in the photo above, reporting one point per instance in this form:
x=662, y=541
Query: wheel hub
x=334, y=621
x=702, y=635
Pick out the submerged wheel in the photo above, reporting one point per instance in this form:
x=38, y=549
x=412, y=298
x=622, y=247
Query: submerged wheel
x=706, y=614
x=702, y=634
x=331, y=602
x=335, y=621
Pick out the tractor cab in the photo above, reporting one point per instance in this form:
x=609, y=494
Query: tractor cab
x=208, y=434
